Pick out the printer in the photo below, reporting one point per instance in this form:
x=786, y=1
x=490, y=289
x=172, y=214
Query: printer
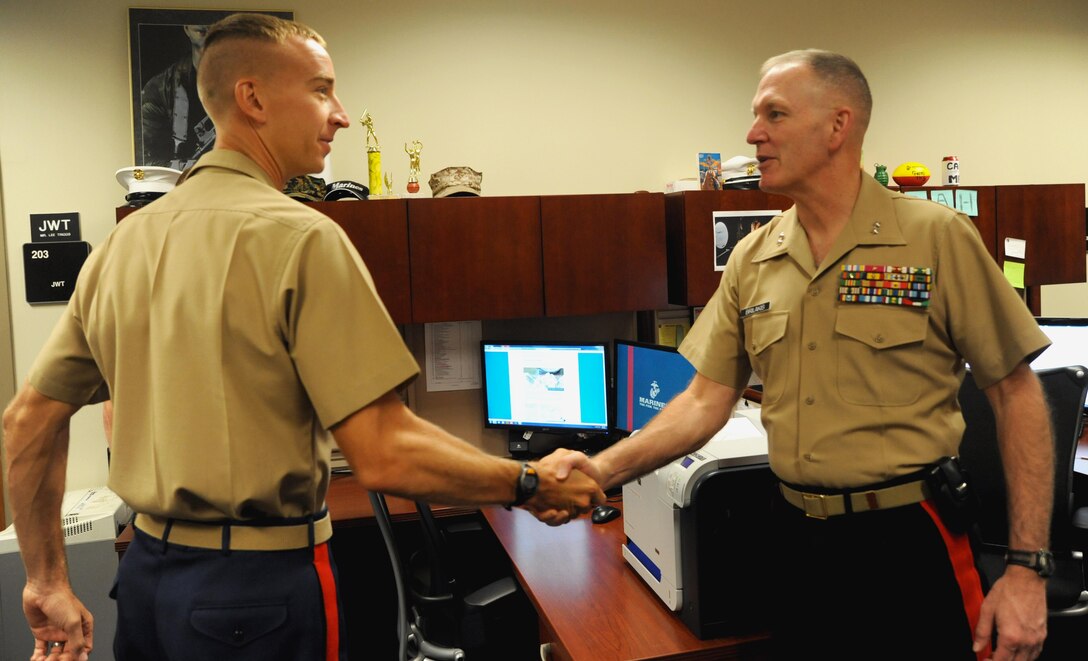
x=90, y=520
x=698, y=530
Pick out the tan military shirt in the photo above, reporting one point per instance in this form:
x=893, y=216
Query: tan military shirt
x=233, y=326
x=858, y=391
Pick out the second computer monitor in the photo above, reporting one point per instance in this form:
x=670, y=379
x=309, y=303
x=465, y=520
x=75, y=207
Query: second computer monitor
x=647, y=377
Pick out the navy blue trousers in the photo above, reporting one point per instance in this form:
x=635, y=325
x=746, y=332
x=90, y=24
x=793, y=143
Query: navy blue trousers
x=888, y=584
x=180, y=602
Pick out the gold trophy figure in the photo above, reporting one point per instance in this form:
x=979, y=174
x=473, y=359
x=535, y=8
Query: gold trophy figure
x=373, y=155
x=413, y=165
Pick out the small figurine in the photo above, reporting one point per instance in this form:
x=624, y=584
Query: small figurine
x=881, y=174
x=373, y=154
x=413, y=165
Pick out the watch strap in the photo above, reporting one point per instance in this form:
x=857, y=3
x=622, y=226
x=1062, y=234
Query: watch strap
x=526, y=485
x=1040, y=561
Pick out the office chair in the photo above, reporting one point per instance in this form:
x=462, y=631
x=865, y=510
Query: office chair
x=462, y=601
x=1065, y=389
x=412, y=644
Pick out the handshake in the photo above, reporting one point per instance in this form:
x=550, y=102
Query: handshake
x=569, y=486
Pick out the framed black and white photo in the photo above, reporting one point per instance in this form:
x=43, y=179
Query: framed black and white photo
x=170, y=126
x=732, y=226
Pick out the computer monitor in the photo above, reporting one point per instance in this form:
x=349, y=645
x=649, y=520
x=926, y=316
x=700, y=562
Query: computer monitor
x=1069, y=346
x=647, y=377
x=557, y=387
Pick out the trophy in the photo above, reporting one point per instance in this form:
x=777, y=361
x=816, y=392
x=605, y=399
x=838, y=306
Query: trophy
x=373, y=155
x=413, y=165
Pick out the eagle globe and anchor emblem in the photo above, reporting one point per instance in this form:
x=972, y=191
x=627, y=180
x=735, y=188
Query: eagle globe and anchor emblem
x=654, y=389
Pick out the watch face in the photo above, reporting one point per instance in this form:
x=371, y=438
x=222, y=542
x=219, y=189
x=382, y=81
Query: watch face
x=1045, y=564
x=531, y=482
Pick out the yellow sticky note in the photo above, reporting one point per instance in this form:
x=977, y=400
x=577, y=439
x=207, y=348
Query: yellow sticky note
x=1014, y=273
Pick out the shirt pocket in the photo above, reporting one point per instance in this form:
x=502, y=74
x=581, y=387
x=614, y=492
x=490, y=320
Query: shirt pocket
x=880, y=357
x=768, y=351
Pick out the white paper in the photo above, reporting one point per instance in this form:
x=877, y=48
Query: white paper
x=1015, y=247
x=453, y=355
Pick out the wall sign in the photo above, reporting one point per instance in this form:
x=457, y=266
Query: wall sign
x=51, y=268
x=54, y=227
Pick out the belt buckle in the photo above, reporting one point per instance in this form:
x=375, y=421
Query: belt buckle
x=815, y=505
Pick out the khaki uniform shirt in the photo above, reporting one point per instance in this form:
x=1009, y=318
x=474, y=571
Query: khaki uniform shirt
x=855, y=391
x=233, y=327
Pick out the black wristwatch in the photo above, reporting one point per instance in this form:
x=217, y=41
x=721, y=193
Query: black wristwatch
x=526, y=486
x=1041, y=561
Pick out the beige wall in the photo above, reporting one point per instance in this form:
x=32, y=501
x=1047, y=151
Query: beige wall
x=555, y=97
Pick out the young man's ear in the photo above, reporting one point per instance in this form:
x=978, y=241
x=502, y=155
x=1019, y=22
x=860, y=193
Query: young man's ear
x=248, y=100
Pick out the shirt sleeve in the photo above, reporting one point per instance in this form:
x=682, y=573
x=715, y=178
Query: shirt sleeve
x=715, y=344
x=989, y=324
x=65, y=370
x=345, y=346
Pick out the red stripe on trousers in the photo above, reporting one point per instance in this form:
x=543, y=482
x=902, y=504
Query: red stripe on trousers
x=328, y=596
x=963, y=565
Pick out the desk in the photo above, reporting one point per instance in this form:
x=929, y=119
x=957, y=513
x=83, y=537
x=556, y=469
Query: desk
x=592, y=606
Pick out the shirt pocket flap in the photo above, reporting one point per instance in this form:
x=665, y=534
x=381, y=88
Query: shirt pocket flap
x=765, y=329
x=881, y=326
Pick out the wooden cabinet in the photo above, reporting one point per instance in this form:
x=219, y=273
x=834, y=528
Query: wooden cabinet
x=475, y=258
x=453, y=259
x=688, y=218
x=603, y=253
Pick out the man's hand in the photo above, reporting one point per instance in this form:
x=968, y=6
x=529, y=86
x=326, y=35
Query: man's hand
x=58, y=616
x=563, y=496
x=1016, y=606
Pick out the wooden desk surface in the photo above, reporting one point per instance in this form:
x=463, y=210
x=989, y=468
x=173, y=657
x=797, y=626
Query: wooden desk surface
x=592, y=606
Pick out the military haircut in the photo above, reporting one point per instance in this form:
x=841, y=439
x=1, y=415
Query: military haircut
x=835, y=71
x=237, y=45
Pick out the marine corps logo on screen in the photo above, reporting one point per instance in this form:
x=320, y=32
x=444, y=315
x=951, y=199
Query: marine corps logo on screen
x=654, y=389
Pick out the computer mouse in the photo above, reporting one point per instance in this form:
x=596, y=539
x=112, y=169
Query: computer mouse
x=604, y=513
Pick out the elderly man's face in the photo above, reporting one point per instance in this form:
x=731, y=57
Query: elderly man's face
x=793, y=123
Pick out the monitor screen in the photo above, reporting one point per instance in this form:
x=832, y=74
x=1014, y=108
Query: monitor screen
x=546, y=386
x=1069, y=338
x=647, y=377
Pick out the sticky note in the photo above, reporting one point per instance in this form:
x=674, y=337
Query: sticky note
x=967, y=201
x=1015, y=248
x=921, y=194
x=944, y=197
x=1014, y=273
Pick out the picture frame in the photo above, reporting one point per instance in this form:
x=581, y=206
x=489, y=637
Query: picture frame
x=169, y=125
x=729, y=227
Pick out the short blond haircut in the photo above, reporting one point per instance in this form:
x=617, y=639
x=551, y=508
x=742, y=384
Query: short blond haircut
x=231, y=50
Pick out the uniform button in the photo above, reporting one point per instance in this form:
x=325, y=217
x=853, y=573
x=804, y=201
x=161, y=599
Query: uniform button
x=238, y=635
x=815, y=291
x=810, y=400
x=808, y=457
x=811, y=346
x=879, y=339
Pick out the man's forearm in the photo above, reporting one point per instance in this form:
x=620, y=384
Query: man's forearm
x=684, y=425
x=1027, y=453
x=36, y=441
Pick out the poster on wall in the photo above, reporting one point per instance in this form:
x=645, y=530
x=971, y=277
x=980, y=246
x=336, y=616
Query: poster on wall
x=732, y=226
x=169, y=125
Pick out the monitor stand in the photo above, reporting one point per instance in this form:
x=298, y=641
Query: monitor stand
x=531, y=444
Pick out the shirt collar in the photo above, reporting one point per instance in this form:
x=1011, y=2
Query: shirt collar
x=232, y=160
x=872, y=222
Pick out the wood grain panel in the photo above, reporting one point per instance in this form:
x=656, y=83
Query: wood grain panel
x=603, y=253
x=475, y=258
